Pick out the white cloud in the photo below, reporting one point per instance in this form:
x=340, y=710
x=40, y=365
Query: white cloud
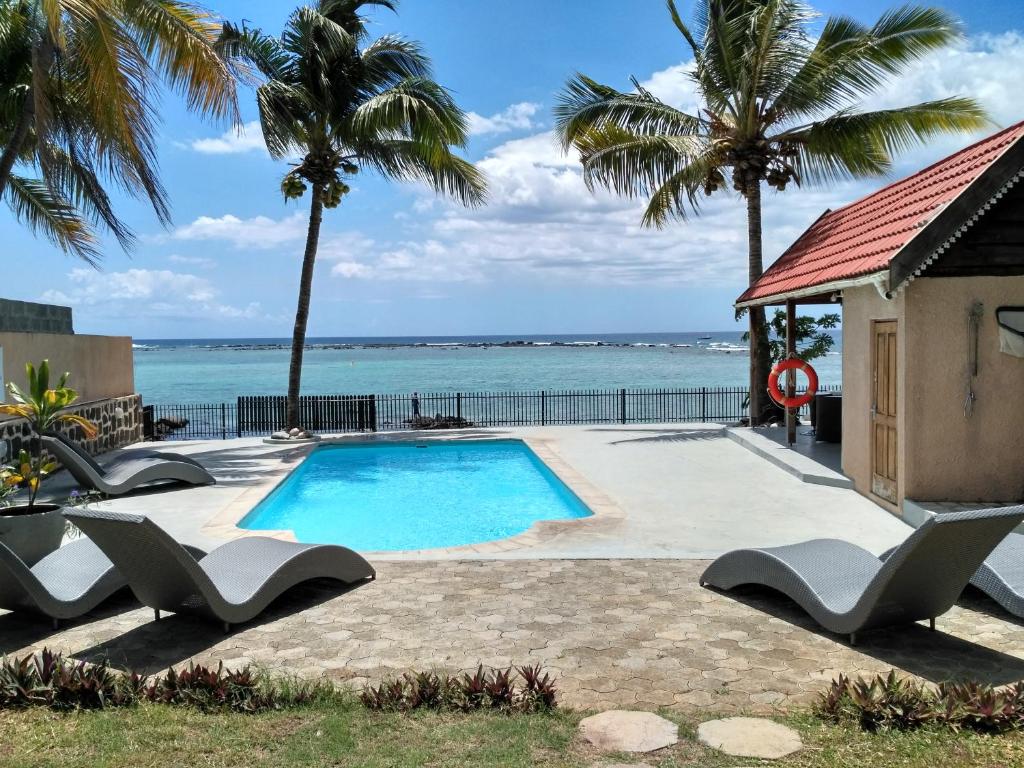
x=516, y=117
x=247, y=138
x=542, y=220
x=195, y=261
x=543, y=225
x=157, y=292
x=256, y=232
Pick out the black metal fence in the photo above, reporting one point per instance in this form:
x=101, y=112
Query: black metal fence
x=261, y=414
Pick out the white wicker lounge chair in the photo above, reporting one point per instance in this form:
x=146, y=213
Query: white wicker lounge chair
x=233, y=584
x=127, y=472
x=65, y=584
x=1001, y=576
x=846, y=589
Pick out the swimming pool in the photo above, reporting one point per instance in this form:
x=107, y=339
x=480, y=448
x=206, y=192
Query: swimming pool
x=394, y=496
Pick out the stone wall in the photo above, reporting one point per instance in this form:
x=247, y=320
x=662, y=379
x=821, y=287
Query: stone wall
x=28, y=317
x=114, y=430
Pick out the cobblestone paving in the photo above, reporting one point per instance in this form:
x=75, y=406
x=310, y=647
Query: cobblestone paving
x=630, y=633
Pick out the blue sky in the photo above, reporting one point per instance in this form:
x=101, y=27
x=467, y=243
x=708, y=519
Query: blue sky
x=544, y=257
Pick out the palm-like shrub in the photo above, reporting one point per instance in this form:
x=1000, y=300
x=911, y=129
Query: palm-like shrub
x=77, y=81
x=779, y=104
x=44, y=408
x=342, y=103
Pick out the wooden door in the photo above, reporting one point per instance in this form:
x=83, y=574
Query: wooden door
x=883, y=411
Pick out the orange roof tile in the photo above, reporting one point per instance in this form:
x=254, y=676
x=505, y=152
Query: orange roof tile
x=864, y=236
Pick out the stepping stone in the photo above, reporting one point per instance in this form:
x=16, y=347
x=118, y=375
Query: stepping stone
x=623, y=731
x=750, y=737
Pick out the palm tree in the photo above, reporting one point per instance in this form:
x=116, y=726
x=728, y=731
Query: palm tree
x=77, y=80
x=777, y=105
x=342, y=103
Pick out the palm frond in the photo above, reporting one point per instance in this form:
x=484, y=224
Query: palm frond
x=585, y=105
x=34, y=204
x=179, y=40
x=251, y=46
x=864, y=143
x=390, y=59
x=416, y=107
x=851, y=60
x=282, y=107
x=74, y=178
x=634, y=165
x=427, y=162
x=103, y=58
x=681, y=192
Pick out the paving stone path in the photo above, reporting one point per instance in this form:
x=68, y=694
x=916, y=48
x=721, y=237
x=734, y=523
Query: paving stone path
x=618, y=730
x=635, y=634
x=750, y=737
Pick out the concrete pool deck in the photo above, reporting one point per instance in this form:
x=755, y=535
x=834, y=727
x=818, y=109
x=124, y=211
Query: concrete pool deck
x=616, y=613
x=660, y=491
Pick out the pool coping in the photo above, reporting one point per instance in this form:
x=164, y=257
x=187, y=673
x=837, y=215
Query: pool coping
x=605, y=512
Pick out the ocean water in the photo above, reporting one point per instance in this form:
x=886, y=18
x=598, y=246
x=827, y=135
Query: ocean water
x=439, y=494
x=178, y=371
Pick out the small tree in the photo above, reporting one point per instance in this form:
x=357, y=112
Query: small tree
x=43, y=408
x=810, y=331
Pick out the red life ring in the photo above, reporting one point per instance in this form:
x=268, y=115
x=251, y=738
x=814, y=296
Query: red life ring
x=793, y=363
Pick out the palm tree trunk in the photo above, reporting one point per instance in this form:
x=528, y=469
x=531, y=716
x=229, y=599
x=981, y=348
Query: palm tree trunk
x=316, y=214
x=759, y=353
x=42, y=61
x=17, y=142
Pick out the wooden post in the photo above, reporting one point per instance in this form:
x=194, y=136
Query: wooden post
x=790, y=375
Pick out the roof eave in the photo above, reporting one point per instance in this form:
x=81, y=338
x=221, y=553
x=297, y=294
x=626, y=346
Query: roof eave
x=877, y=279
x=957, y=216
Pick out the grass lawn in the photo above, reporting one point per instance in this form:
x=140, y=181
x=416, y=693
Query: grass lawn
x=345, y=734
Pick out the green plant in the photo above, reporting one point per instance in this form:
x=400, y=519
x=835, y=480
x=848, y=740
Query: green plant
x=44, y=408
x=211, y=689
x=779, y=98
x=8, y=485
x=890, y=703
x=47, y=679
x=522, y=689
x=539, y=692
x=343, y=104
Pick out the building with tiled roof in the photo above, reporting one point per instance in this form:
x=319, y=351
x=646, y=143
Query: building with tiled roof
x=929, y=272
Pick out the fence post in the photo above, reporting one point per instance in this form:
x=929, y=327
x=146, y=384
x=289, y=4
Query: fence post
x=223, y=421
x=543, y=409
x=458, y=405
x=622, y=404
x=703, y=404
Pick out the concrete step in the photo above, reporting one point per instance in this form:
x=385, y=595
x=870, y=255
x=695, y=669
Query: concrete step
x=802, y=467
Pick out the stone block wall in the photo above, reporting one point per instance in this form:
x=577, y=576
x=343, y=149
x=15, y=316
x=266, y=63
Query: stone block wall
x=28, y=317
x=114, y=430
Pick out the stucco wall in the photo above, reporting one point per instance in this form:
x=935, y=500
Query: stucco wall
x=861, y=306
x=101, y=366
x=955, y=458
x=942, y=455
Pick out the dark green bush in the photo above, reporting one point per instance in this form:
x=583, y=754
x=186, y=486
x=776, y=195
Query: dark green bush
x=522, y=689
x=890, y=703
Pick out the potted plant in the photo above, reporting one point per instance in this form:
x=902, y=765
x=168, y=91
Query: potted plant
x=32, y=529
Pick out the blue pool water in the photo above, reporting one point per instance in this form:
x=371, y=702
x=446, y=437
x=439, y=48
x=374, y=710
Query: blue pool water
x=399, y=496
